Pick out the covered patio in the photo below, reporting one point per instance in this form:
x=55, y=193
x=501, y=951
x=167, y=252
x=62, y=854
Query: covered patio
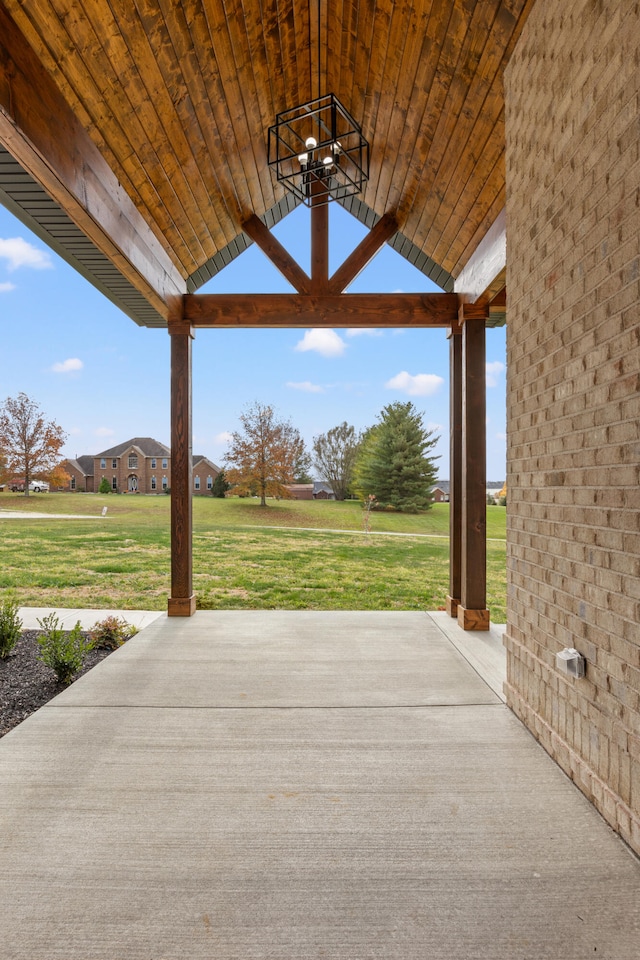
x=496, y=147
x=298, y=784
x=190, y=131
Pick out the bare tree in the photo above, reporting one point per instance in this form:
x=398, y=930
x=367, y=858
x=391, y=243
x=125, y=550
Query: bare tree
x=263, y=457
x=335, y=454
x=29, y=444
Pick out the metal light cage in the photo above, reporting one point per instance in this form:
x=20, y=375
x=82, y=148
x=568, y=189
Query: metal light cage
x=335, y=167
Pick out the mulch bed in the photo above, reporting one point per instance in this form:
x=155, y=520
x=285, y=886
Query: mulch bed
x=26, y=684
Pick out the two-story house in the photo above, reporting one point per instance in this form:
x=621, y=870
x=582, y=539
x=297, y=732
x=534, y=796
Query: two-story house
x=140, y=465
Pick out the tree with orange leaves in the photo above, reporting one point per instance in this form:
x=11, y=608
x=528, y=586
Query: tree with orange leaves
x=264, y=456
x=29, y=444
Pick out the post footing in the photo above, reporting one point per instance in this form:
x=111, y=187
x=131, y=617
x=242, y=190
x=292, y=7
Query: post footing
x=181, y=606
x=473, y=619
x=452, y=606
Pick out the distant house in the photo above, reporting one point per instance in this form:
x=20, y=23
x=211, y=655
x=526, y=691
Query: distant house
x=300, y=491
x=322, y=490
x=440, y=492
x=141, y=465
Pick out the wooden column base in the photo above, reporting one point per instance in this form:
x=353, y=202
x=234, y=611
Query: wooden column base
x=473, y=619
x=452, y=606
x=181, y=606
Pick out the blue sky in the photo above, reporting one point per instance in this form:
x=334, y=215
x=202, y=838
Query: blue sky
x=105, y=380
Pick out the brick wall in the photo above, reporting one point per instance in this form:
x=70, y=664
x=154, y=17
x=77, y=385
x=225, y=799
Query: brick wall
x=573, y=228
x=83, y=484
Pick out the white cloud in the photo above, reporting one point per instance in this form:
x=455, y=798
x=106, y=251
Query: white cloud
x=493, y=371
x=68, y=366
x=418, y=385
x=363, y=332
x=501, y=436
x=104, y=432
x=18, y=253
x=7, y=287
x=435, y=427
x=324, y=341
x=224, y=437
x=306, y=386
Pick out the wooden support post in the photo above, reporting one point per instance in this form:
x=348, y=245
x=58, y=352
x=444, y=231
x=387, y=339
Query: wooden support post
x=455, y=469
x=182, y=602
x=472, y=609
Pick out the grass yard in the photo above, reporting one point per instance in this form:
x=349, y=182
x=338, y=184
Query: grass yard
x=311, y=555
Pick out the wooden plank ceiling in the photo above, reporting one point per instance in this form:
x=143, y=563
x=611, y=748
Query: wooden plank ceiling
x=178, y=98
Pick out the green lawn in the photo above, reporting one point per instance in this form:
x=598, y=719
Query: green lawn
x=286, y=556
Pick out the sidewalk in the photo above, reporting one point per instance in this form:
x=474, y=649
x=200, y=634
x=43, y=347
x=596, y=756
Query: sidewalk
x=300, y=786
x=69, y=617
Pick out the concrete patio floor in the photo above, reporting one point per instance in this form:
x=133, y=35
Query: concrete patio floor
x=297, y=786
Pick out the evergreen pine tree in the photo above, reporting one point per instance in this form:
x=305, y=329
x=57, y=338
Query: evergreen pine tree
x=394, y=464
x=220, y=485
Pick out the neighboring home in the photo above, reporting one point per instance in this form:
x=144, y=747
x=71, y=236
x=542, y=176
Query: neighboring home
x=300, y=491
x=322, y=490
x=141, y=465
x=440, y=492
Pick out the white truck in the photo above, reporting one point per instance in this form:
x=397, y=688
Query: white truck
x=35, y=486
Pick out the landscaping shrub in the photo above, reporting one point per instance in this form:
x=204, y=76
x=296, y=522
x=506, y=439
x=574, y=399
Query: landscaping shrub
x=63, y=651
x=111, y=633
x=10, y=625
x=105, y=486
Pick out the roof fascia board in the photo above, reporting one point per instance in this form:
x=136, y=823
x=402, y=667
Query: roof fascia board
x=38, y=128
x=484, y=274
x=66, y=240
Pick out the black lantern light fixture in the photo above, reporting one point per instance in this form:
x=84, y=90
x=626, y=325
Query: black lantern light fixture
x=318, y=151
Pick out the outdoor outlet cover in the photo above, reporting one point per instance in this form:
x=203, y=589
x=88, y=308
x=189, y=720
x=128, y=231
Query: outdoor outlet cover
x=570, y=662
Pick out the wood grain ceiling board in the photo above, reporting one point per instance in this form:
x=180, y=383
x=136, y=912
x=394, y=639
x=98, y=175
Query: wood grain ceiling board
x=178, y=97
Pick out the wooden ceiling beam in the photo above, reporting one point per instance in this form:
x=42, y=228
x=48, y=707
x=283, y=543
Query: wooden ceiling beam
x=277, y=254
x=38, y=128
x=328, y=310
x=364, y=253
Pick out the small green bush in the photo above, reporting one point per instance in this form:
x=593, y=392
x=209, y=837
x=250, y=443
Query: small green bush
x=10, y=625
x=111, y=633
x=105, y=486
x=63, y=651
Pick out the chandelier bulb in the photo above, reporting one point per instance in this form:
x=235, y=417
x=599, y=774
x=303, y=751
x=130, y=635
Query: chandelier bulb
x=310, y=143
